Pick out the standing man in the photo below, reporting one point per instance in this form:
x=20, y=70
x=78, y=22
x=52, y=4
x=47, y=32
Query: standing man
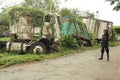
x=104, y=45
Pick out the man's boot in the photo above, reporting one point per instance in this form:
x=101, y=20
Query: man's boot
x=101, y=58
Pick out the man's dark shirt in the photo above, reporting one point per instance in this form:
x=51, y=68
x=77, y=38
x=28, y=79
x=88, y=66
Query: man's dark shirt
x=105, y=39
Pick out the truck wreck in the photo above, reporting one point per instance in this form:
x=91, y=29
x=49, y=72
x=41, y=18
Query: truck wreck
x=33, y=31
x=39, y=32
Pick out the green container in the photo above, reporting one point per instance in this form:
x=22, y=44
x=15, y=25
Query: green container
x=74, y=28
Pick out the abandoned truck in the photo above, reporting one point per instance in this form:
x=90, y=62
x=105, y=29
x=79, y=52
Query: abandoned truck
x=32, y=30
x=37, y=32
x=77, y=29
x=96, y=26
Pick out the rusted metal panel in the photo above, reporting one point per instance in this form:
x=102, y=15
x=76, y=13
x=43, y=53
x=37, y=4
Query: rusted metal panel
x=102, y=26
x=56, y=29
x=22, y=29
x=51, y=28
x=90, y=24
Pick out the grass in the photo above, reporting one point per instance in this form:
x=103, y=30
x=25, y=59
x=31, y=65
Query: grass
x=113, y=44
x=116, y=27
x=5, y=39
x=7, y=59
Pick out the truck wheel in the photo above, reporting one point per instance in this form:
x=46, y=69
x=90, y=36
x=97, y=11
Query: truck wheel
x=55, y=47
x=89, y=43
x=38, y=48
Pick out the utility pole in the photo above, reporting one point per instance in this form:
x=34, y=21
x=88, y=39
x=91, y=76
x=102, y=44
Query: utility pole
x=97, y=14
x=50, y=6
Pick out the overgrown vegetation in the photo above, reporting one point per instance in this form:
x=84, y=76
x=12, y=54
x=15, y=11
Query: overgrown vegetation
x=115, y=32
x=8, y=59
x=69, y=41
x=12, y=58
x=4, y=19
x=34, y=16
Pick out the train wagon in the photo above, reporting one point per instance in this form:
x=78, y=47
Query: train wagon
x=96, y=26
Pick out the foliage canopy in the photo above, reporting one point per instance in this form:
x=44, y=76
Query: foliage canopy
x=117, y=4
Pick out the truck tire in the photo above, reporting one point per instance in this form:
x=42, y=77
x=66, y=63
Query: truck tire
x=89, y=43
x=55, y=47
x=38, y=48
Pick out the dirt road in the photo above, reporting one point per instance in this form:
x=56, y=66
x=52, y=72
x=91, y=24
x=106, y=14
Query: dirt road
x=80, y=66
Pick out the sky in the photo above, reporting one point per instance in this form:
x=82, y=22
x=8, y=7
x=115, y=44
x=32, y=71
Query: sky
x=104, y=8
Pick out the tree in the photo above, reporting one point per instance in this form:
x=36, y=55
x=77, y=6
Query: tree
x=117, y=4
x=45, y=5
x=40, y=4
x=87, y=14
x=72, y=14
x=5, y=18
x=65, y=12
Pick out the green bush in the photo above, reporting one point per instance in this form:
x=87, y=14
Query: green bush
x=69, y=41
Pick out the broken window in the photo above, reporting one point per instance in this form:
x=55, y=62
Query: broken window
x=48, y=18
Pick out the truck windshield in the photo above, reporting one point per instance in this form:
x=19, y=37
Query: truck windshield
x=48, y=18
